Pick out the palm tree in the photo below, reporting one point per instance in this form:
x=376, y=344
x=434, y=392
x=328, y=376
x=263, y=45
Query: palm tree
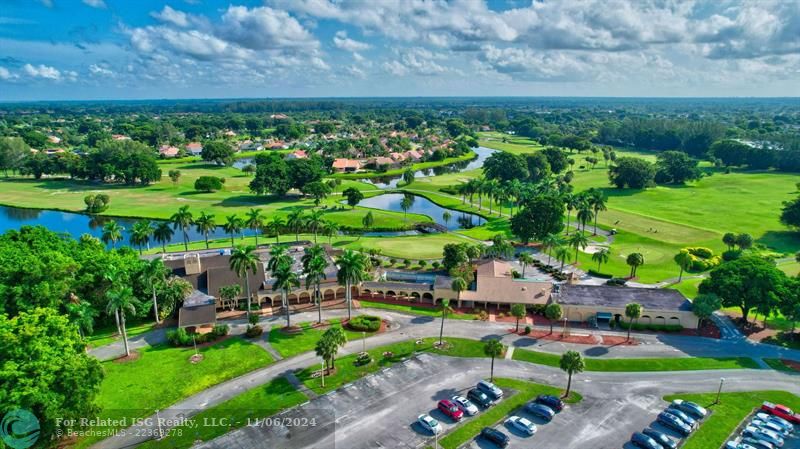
x=183, y=219
x=458, y=285
x=335, y=338
x=154, y=272
x=478, y=185
x=314, y=221
x=254, y=221
x=632, y=311
x=285, y=280
x=330, y=228
x=584, y=214
x=244, y=260
x=112, y=232
x=163, y=234
x=598, y=202
x=684, y=260
x=314, y=265
x=446, y=216
x=275, y=226
x=525, y=259
x=352, y=270
x=367, y=221
x=405, y=204
x=295, y=221
x=140, y=234
x=601, y=256
x=562, y=254
x=490, y=188
x=493, y=348
x=120, y=300
x=578, y=241
x=205, y=224
x=277, y=256
x=326, y=349
x=571, y=362
x=444, y=306
x=571, y=201
x=549, y=242
x=232, y=226
x=634, y=260
x=514, y=189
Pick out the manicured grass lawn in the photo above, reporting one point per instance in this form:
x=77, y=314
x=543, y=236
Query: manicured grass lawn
x=258, y=403
x=413, y=247
x=288, y=345
x=688, y=287
x=522, y=393
x=347, y=371
x=109, y=334
x=641, y=364
x=726, y=416
x=778, y=365
x=164, y=375
x=416, y=310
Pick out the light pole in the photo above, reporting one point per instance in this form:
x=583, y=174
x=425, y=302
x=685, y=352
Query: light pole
x=719, y=392
x=364, y=340
x=564, y=330
x=323, y=373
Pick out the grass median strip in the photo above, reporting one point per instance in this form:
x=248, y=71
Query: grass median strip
x=258, y=403
x=289, y=344
x=347, y=371
x=523, y=392
x=731, y=410
x=641, y=364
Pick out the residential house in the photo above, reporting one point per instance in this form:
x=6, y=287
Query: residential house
x=194, y=148
x=297, y=154
x=346, y=165
x=168, y=151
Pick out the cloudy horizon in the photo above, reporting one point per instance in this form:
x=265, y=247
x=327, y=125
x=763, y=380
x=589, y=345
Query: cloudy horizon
x=109, y=49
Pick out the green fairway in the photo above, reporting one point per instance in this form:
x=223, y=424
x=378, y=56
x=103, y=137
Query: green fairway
x=164, y=375
x=522, y=392
x=642, y=364
x=288, y=345
x=260, y=402
x=107, y=335
x=726, y=416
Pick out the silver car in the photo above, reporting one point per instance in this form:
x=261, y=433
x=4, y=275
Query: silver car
x=521, y=424
x=465, y=405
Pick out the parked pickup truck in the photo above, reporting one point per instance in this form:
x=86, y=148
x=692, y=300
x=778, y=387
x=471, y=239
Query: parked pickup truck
x=781, y=411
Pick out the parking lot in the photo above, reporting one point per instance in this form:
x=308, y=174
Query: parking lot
x=380, y=411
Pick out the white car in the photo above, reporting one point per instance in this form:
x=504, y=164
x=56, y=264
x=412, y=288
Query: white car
x=521, y=424
x=764, y=435
x=465, y=405
x=769, y=425
x=427, y=422
x=786, y=425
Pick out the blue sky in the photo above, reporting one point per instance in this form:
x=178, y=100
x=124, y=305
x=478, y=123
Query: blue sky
x=123, y=49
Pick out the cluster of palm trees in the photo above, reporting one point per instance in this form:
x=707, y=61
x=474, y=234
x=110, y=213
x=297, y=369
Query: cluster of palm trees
x=497, y=193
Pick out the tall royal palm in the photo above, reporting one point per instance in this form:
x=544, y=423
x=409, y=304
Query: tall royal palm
x=295, y=221
x=121, y=300
x=330, y=228
x=277, y=256
x=550, y=242
x=163, y=234
x=275, y=226
x=285, y=279
x=578, y=241
x=153, y=274
x=254, y=221
x=352, y=270
x=584, y=214
x=183, y=219
x=315, y=222
x=598, y=202
x=243, y=261
x=314, y=265
x=232, y=226
x=112, y=233
x=140, y=234
x=205, y=225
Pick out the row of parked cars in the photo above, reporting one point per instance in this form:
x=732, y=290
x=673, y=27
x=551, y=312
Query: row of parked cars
x=768, y=428
x=544, y=407
x=681, y=416
x=484, y=395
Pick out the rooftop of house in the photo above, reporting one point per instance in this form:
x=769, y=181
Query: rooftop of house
x=619, y=297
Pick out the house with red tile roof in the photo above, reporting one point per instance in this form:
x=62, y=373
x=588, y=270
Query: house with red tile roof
x=168, y=151
x=297, y=154
x=346, y=165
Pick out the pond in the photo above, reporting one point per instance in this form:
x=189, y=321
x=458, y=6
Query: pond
x=76, y=224
x=390, y=182
x=424, y=206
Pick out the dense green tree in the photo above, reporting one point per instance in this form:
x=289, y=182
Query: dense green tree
x=744, y=241
x=353, y=195
x=505, y=166
x=44, y=368
x=272, y=175
x=538, y=166
x=632, y=172
x=317, y=190
x=730, y=152
x=304, y=171
x=538, y=217
x=13, y=151
x=208, y=184
x=676, y=167
x=704, y=306
x=790, y=214
x=556, y=159
x=553, y=312
x=745, y=283
x=218, y=152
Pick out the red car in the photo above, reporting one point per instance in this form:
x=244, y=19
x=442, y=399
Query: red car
x=781, y=411
x=450, y=409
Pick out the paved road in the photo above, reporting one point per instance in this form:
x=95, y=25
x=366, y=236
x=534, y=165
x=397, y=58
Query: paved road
x=405, y=327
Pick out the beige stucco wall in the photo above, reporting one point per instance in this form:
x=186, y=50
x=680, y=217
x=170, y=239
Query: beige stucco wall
x=582, y=313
